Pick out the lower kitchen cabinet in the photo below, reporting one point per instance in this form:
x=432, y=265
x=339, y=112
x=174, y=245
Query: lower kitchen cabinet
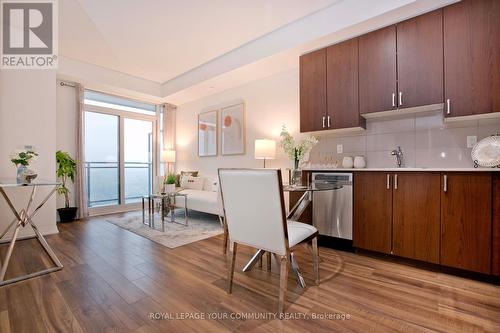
x=416, y=215
x=466, y=207
x=372, y=211
x=446, y=218
x=495, y=239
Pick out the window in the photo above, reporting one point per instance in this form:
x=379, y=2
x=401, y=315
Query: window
x=118, y=103
x=120, y=151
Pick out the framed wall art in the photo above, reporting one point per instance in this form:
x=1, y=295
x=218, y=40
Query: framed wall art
x=207, y=133
x=233, y=129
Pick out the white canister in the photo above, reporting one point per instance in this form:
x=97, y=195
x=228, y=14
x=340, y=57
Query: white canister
x=347, y=162
x=359, y=162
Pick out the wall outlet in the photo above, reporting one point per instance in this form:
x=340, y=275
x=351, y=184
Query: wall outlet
x=340, y=149
x=471, y=141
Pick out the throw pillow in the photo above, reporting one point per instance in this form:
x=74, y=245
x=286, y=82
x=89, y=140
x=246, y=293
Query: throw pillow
x=184, y=173
x=192, y=183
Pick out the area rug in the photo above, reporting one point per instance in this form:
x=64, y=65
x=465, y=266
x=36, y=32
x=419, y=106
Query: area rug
x=200, y=226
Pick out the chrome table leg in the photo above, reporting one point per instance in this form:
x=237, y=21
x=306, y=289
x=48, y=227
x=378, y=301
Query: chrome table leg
x=296, y=269
x=256, y=257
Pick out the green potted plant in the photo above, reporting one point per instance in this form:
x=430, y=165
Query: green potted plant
x=170, y=183
x=66, y=171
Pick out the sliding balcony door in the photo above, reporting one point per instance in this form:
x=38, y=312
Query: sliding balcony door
x=120, y=158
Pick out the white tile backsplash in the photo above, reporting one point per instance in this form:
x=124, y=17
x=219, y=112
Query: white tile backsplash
x=425, y=139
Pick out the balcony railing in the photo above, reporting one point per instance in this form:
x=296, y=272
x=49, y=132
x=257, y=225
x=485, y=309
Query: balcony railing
x=103, y=182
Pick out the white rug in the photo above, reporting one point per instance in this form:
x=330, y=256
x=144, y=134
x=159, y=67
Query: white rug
x=200, y=226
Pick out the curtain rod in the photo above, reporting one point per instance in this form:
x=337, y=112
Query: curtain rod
x=67, y=84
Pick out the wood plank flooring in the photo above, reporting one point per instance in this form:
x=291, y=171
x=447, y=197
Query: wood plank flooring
x=114, y=280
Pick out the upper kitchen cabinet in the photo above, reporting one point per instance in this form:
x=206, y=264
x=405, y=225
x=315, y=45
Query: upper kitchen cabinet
x=471, y=58
x=377, y=71
x=313, y=111
x=420, y=60
x=342, y=86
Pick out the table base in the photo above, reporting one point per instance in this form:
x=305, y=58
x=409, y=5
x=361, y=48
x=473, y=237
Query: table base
x=24, y=219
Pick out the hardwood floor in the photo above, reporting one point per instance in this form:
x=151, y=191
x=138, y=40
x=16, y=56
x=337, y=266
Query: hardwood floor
x=113, y=280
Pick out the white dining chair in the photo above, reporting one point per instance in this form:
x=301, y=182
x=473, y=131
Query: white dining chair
x=254, y=210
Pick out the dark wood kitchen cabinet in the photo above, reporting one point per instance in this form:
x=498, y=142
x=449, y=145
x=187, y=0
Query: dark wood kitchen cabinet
x=416, y=215
x=471, y=57
x=495, y=228
x=313, y=91
x=372, y=211
x=377, y=70
x=342, y=86
x=466, y=206
x=420, y=60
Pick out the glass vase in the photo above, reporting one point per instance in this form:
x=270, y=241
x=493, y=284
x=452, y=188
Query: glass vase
x=296, y=174
x=21, y=170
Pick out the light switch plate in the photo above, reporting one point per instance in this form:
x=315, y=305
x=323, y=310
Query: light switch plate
x=471, y=141
x=340, y=149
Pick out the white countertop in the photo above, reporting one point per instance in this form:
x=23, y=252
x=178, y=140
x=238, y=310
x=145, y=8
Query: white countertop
x=406, y=169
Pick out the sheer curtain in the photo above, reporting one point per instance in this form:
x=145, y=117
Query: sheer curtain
x=169, y=111
x=80, y=181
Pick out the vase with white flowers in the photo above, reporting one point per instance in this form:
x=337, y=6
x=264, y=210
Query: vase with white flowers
x=22, y=158
x=296, y=151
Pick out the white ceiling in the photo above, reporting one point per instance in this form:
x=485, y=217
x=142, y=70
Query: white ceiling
x=159, y=40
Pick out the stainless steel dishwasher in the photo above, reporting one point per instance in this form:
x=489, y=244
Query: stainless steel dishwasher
x=332, y=210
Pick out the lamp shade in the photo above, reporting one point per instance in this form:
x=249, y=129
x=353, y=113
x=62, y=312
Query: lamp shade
x=265, y=149
x=169, y=156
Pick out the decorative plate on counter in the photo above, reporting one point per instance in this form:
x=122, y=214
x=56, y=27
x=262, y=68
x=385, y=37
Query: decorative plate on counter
x=486, y=153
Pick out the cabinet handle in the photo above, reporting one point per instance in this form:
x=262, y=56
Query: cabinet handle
x=388, y=181
x=445, y=183
x=324, y=122
x=448, y=109
x=395, y=181
x=328, y=122
x=393, y=99
x=400, y=98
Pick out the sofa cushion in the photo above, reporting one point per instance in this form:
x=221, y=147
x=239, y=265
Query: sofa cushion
x=202, y=201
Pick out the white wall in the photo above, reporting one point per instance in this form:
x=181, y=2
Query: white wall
x=66, y=109
x=28, y=117
x=270, y=103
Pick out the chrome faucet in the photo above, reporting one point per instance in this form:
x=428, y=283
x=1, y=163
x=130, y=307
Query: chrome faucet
x=399, y=156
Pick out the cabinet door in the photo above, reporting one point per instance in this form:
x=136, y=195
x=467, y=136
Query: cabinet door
x=372, y=211
x=377, y=70
x=495, y=252
x=313, y=91
x=420, y=60
x=466, y=221
x=342, y=85
x=471, y=57
x=416, y=215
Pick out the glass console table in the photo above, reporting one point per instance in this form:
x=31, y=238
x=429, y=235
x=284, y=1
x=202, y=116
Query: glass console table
x=24, y=218
x=167, y=205
x=294, y=214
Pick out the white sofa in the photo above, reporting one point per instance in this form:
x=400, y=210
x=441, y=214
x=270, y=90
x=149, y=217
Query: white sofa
x=206, y=200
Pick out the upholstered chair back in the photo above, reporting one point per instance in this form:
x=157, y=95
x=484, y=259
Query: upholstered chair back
x=254, y=208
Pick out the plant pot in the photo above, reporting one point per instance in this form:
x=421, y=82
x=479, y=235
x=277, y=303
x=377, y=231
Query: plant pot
x=169, y=188
x=67, y=214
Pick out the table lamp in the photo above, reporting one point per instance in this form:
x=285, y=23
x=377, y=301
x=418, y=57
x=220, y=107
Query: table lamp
x=265, y=149
x=168, y=157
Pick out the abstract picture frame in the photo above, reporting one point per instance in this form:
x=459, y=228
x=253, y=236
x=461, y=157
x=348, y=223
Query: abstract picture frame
x=233, y=130
x=208, y=128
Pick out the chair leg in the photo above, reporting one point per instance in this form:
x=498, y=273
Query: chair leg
x=315, y=254
x=231, y=269
x=226, y=236
x=268, y=266
x=283, y=283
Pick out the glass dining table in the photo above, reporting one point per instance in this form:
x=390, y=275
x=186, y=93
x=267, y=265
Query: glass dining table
x=294, y=214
